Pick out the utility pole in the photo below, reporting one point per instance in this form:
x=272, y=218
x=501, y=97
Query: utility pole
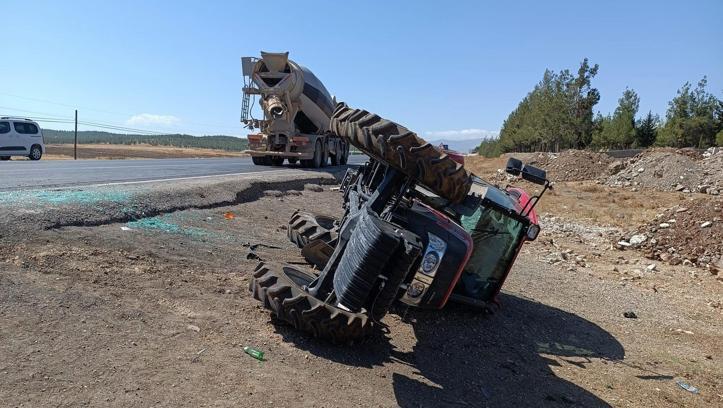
x=75, y=145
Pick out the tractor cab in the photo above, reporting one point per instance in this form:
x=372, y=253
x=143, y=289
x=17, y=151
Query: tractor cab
x=499, y=222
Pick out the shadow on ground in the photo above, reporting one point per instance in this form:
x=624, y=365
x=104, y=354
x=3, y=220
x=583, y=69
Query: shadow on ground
x=466, y=359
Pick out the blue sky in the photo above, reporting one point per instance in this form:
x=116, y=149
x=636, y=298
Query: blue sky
x=451, y=68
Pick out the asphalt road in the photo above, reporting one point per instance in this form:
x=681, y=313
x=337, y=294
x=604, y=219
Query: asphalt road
x=18, y=175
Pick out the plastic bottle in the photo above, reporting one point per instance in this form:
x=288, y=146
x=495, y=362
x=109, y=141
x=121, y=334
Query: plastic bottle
x=257, y=354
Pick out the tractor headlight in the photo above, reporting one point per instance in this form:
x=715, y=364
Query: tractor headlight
x=532, y=231
x=433, y=255
x=430, y=261
x=415, y=289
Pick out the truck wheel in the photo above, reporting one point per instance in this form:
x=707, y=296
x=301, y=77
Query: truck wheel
x=338, y=153
x=4, y=157
x=276, y=160
x=292, y=160
x=318, y=153
x=35, y=153
x=345, y=154
x=395, y=145
x=258, y=160
x=281, y=290
x=324, y=158
x=305, y=227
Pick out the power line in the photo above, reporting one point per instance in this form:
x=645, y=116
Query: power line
x=100, y=110
x=64, y=104
x=91, y=123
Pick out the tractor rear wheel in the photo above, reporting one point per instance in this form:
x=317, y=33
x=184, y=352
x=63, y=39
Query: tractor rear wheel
x=305, y=227
x=281, y=290
x=395, y=145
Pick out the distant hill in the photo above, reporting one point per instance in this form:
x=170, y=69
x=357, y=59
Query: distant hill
x=228, y=143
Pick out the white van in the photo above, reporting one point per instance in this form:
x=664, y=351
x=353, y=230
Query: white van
x=20, y=137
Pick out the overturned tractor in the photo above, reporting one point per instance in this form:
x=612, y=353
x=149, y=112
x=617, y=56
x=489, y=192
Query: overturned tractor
x=418, y=228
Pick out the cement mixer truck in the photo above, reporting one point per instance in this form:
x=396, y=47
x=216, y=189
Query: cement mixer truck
x=297, y=110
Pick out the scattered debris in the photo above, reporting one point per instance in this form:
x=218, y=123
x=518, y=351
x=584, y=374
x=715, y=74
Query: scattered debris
x=314, y=187
x=630, y=315
x=229, y=215
x=193, y=328
x=124, y=228
x=638, y=239
x=253, y=256
x=688, y=387
x=198, y=355
x=694, y=239
x=257, y=354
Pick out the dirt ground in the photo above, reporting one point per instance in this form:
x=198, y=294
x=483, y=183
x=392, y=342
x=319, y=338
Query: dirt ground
x=109, y=151
x=138, y=298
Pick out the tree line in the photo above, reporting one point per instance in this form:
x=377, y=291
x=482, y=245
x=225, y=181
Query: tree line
x=558, y=114
x=228, y=143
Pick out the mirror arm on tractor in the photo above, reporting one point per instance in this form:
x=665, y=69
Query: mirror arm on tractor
x=535, y=199
x=532, y=174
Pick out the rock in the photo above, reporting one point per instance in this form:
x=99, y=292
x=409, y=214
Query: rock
x=679, y=187
x=706, y=224
x=665, y=257
x=630, y=315
x=615, y=166
x=623, y=244
x=650, y=268
x=681, y=209
x=664, y=225
x=193, y=328
x=640, y=170
x=637, y=239
x=687, y=262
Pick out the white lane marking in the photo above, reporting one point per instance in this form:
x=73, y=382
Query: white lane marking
x=122, y=183
x=78, y=168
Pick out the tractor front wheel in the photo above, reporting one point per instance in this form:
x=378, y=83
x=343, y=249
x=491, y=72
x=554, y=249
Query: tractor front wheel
x=281, y=290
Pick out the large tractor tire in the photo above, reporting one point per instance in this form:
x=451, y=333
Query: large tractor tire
x=396, y=145
x=281, y=290
x=305, y=227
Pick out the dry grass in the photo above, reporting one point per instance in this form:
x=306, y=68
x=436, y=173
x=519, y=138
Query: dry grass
x=483, y=166
x=605, y=205
x=110, y=151
x=588, y=200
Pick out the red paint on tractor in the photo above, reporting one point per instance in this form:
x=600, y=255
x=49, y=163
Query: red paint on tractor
x=454, y=229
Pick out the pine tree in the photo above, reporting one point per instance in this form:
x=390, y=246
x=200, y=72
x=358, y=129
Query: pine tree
x=647, y=130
